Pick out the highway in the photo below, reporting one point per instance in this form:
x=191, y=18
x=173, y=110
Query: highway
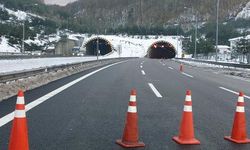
x=90, y=114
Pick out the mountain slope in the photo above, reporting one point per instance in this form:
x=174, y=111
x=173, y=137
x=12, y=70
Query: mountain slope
x=150, y=13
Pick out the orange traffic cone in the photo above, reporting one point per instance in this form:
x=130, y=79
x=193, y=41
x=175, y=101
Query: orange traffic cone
x=186, y=135
x=130, y=135
x=181, y=67
x=19, y=132
x=239, y=131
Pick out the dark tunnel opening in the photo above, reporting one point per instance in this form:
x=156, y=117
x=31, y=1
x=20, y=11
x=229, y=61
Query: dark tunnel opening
x=104, y=47
x=161, y=50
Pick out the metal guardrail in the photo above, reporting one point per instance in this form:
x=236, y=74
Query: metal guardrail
x=28, y=73
x=218, y=63
x=27, y=56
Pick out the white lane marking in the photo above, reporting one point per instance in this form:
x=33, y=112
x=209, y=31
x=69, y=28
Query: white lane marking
x=143, y=72
x=187, y=75
x=171, y=68
x=6, y=119
x=140, y=66
x=234, y=92
x=163, y=64
x=157, y=93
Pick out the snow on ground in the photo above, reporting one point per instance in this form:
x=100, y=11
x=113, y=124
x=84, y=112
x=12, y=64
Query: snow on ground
x=240, y=73
x=245, y=13
x=198, y=64
x=201, y=64
x=137, y=46
x=58, y=2
x=73, y=37
x=36, y=41
x=10, y=88
x=54, y=38
x=128, y=47
x=8, y=66
x=21, y=15
x=5, y=47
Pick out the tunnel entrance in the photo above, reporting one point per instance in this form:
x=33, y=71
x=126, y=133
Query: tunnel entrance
x=161, y=49
x=104, y=47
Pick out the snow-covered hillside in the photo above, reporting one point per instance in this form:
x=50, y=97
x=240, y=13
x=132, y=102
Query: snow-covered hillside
x=15, y=17
x=20, y=15
x=5, y=47
x=245, y=13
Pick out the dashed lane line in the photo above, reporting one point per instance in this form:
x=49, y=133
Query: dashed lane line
x=157, y=93
x=9, y=117
x=143, y=72
x=234, y=92
x=141, y=66
x=171, y=68
x=187, y=75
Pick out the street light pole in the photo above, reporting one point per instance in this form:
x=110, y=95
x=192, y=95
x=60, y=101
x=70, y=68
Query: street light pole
x=23, y=36
x=97, y=47
x=22, y=49
x=97, y=41
x=195, y=42
x=217, y=28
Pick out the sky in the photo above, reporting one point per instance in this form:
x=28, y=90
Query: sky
x=59, y=2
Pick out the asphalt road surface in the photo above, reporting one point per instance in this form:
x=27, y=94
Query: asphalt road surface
x=90, y=114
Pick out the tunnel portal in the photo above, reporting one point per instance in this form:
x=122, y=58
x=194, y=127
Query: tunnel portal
x=104, y=47
x=161, y=50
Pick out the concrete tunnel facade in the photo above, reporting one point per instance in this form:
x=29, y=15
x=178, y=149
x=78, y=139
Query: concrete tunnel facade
x=105, y=47
x=161, y=50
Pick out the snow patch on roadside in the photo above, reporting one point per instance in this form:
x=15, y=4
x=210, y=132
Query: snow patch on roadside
x=237, y=72
x=10, y=89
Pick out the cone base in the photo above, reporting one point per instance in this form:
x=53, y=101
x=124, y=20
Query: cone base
x=129, y=145
x=187, y=142
x=237, y=141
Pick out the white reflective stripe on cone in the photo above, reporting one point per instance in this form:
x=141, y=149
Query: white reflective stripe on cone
x=132, y=98
x=20, y=100
x=20, y=114
x=188, y=98
x=187, y=108
x=241, y=99
x=240, y=109
x=132, y=109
